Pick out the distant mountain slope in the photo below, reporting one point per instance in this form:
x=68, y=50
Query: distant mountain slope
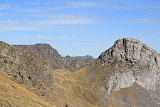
x=46, y=52
x=14, y=95
x=75, y=63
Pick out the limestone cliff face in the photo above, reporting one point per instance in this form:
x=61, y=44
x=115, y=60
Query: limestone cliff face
x=134, y=62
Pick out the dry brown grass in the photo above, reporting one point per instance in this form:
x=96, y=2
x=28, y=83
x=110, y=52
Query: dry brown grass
x=80, y=89
x=13, y=94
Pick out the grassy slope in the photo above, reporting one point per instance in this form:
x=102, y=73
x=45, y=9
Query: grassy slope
x=14, y=95
x=83, y=89
x=79, y=89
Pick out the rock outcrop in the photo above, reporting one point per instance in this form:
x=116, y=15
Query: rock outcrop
x=135, y=62
x=45, y=52
x=75, y=63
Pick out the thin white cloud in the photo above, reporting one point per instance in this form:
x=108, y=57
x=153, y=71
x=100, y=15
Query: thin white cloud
x=42, y=17
x=50, y=8
x=147, y=20
x=109, y=5
x=134, y=21
x=6, y=26
x=45, y=24
x=4, y=6
x=85, y=5
x=42, y=37
x=66, y=20
x=50, y=37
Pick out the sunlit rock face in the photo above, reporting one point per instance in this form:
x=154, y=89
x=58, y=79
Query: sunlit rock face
x=137, y=63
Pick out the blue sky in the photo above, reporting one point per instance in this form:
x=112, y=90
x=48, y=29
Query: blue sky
x=79, y=27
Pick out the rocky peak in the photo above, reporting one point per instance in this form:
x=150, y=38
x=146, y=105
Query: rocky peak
x=133, y=62
x=45, y=51
x=46, y=48
x=130, y=50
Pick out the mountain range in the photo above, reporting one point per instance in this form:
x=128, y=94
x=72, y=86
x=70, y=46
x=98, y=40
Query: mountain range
x=125, y=75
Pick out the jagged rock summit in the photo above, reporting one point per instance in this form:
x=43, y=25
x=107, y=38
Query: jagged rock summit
x=134, y=62
x=128, y=49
